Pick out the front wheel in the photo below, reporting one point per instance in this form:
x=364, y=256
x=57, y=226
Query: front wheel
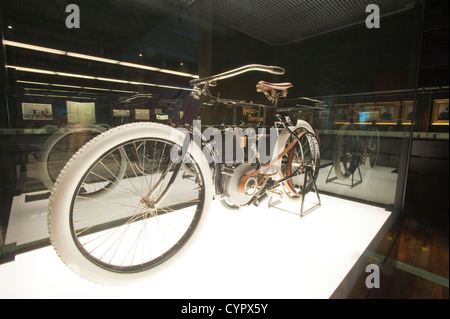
x=150, y=214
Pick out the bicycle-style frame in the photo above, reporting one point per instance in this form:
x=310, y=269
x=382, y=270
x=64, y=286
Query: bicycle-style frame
x=273, y=91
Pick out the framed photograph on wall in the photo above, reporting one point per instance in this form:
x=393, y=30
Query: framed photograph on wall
x=78, y=112
x=366, y=113
x=342, y=113
x=121, y=113
x=36, y=111
x=440, y=112
x=389, y=112
x=407, y=112
x=142, y=114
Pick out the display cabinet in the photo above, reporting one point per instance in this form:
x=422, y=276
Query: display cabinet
x=375, y=97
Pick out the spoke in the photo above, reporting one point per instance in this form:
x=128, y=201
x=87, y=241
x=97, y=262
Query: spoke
x=101, y=216
x=141, y=163
x=112, y=231
x=132, y=168
x=109, y=189
x=115, y=184
x=103, y=201
x=125, y=229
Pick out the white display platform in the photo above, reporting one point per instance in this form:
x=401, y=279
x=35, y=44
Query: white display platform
x=378, y=186
x=253, y=253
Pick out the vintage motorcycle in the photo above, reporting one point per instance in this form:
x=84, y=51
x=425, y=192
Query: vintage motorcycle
x=133, y=196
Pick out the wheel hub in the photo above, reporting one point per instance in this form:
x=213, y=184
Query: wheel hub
x=148, y=203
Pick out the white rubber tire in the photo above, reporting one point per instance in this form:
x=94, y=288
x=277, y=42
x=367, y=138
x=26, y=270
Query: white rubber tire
x=61, y=198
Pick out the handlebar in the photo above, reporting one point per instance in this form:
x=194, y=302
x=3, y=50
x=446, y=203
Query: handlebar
x=243, y=69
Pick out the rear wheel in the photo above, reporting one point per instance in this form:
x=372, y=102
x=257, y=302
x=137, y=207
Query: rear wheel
x=346, y=156
x=372, y=148
x=301, y=162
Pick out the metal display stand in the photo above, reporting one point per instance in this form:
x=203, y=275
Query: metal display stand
x=353, y=184
x=273, y=204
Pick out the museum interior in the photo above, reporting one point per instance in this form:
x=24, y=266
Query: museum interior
x=369, y=77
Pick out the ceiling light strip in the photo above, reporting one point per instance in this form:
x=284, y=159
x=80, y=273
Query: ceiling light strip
x=25, y=69
x=33, y=47
x=60, y=96
x=94, y=58
x=76, y=87
x=140, y=66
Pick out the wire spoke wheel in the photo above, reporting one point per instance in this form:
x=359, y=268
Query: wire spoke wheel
x=127, y=230
x=372, y=148
x=346, y=156
x=302, y=161
x=152, y=211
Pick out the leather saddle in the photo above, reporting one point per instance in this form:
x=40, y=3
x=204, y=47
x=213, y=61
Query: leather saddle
x=264, y=86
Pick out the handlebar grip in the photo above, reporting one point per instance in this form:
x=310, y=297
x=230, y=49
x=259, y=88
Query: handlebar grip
x=277, y=70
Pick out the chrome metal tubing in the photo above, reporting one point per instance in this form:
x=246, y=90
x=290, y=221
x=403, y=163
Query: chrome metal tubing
x=243, y=69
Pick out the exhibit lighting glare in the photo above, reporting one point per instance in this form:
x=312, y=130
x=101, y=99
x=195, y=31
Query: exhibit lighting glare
x=94, y=58
x=76, y=87
x=25, y=69
x=67, y=86
x=113, y=80
x=72, y=75
x=140, y=66
x=33, y=47
x=101, y=89
x=30, y=82
x=177, y=73
x=60, y=96
x=67, y=96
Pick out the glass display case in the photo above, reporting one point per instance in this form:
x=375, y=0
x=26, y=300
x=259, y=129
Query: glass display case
x=370, y=91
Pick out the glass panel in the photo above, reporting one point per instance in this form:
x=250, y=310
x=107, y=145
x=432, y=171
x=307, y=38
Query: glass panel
x=73, y=72
x=365, y=80
x=64, y=83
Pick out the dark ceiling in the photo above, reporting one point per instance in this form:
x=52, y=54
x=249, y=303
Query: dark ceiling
x=111, y=26
x=169, y=27
x=287, y=21
x=165, y=33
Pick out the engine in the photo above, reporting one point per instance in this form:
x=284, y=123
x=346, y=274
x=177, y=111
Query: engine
x=231, y=180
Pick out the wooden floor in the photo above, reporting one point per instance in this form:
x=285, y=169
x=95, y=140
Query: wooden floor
x=418, y=267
